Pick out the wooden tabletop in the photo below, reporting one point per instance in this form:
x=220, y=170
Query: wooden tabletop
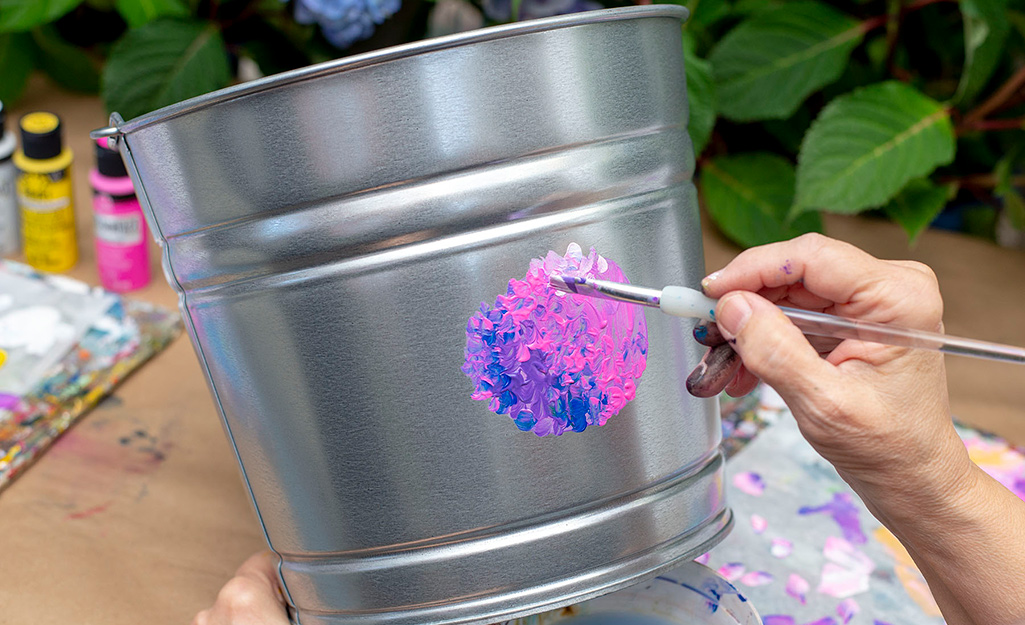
x=106, y=533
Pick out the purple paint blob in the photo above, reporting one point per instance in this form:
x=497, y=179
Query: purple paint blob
x=555, y=361
x=787, y=268
x=798, y=587
x=844, y=513
x=732, y=571
x=778, y=619
x=826, y=620
x=750, y=483
x=847, y=609
x=756, y=578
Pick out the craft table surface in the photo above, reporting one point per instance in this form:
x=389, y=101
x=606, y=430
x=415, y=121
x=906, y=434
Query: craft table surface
x=98, y=532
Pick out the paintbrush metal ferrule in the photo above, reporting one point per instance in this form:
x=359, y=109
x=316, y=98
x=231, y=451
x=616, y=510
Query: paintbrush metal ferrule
x=605, y=289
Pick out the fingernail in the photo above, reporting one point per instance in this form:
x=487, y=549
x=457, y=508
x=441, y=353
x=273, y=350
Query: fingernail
x=709, y=279
x=731, y=314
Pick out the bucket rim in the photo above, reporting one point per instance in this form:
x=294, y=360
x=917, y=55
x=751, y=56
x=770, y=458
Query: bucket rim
x=118, y=127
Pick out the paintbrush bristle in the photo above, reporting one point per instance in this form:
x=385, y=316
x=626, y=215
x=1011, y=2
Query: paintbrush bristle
x=566, y=284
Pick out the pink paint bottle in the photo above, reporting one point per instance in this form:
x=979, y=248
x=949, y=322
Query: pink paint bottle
x=121, y=253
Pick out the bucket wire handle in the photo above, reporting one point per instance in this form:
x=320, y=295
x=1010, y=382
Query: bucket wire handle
x=110, y=133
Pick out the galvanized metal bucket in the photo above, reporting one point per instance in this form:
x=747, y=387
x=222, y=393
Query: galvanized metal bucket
x=330, y=230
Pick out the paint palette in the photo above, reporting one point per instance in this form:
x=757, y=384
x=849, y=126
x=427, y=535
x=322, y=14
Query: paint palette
x=692, y=594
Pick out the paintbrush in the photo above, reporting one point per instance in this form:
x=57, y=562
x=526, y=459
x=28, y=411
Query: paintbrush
x=681, y=301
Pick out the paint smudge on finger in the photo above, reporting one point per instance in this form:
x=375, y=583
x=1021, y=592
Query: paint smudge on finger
x=750, y=483
x=556, y=361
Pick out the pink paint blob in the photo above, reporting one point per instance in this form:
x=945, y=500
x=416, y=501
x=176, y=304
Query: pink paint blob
x=703, y=558
x=758, y=524
x=846, y=573
x=847, y=609
x=781, y=547
x=750, y=483
x=555, y=361
x=798, y=587
x=756, y=578
x=731, y=571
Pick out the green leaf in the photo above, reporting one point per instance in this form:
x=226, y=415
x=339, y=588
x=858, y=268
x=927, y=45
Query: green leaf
x=15, y=65
x=705, y=13
x=139, y=12
x=68, y=65
x=749, y=196
x=768, y=65
x=985, y=32
x=751, y=7
x=916, y=206
x=866, y=145
x=164, y=62
x=19, y=15
x=1014, y=204
x=700, y=96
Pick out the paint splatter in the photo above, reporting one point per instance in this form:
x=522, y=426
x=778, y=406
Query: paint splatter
x=781, y=547
x=750, y=483
x=847, y=571
x=554, y=361
x=756, y=578
x=703, y=558
x=758, y=524
x=732, y=571
x=826, y=620
x=847, y=609
x=778, y=619
x=798, y=587
x=844, y=513
x=85, y=514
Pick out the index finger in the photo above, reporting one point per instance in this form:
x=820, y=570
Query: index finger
x=859, y=285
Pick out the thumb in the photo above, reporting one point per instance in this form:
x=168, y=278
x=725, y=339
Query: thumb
x=772, y=347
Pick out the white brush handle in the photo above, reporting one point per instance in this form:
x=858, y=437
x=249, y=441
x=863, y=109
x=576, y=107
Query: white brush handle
x=681, y=301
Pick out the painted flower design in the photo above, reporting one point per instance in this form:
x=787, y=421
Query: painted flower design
x=554, y=361
x=344, y=22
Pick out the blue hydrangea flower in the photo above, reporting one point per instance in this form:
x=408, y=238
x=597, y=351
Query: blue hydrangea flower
x=344, y=22
x=500, y=10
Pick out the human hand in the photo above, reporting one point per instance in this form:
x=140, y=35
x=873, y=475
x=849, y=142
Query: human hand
x=878, y=413
x=252, y=597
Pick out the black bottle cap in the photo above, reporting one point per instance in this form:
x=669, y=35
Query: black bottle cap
x=109, y=163
x=41, y=136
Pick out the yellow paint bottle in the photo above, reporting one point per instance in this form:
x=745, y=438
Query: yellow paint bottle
x=45, y=194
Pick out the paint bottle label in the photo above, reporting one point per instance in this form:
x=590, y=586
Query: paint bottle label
x=10, y=230
x=48, y=220
x=121, y=253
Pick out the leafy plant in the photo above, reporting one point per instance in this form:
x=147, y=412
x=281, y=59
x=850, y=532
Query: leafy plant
x=145, y=54
x=853, y=106
x=895, y=107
